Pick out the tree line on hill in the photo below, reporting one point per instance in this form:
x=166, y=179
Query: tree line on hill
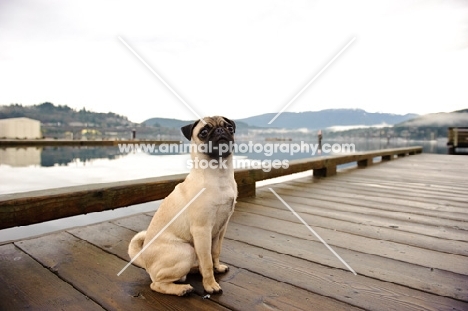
x=50, y=114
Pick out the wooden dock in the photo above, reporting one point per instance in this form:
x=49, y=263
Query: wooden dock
x=401, y=225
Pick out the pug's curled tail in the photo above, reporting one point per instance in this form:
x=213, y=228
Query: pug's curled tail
x=135, y=246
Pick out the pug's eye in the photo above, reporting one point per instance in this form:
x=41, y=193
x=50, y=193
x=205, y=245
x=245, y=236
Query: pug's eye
x=203, y=133
x=230, y=129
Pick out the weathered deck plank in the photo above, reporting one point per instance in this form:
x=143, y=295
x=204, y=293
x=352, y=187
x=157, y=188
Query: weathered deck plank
x=370, y=217
x=235, y=255
x=437, y=281
x=360, y=291
x=334, y=237
x=94, y=272
x=343, y=224
x=347, y=188
x=402, y=225
x=396, y=211
x=25, y=284
x=245, y=294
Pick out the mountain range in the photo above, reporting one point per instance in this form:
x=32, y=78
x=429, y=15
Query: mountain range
x=331, y=119
x=312, y=120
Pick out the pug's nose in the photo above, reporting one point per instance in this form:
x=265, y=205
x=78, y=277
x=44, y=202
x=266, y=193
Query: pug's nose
x=219, y=131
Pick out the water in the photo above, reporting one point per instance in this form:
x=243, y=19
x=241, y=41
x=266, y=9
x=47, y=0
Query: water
x=28, y=169
x=31, y=168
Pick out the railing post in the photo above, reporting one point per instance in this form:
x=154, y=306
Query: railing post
x=364, y=162
x=325, y=171
x=387, y=157
x=246, y=190
x=245, y=183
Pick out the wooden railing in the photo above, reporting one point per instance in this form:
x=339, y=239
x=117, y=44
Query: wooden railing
x=27, y=208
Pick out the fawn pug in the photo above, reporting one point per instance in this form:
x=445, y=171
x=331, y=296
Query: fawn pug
x=193, y=241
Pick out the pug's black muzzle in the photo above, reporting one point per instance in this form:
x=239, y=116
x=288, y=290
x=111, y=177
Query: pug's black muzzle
x=221, y=142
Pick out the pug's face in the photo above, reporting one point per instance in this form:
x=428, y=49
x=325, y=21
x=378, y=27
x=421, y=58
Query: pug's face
x=217, y=135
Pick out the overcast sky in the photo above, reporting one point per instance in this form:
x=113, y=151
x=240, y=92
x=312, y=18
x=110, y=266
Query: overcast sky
x=237, y=58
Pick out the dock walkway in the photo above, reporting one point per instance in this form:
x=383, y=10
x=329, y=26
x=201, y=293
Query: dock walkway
x=401, y=225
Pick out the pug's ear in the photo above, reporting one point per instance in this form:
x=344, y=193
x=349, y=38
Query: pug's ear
x=233, y=124
x=187, y=130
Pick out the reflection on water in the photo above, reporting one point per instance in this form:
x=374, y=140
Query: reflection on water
x=28, y=169
x=51, y=156
x=18, y=157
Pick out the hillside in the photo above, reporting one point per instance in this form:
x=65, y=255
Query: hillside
x=48, y=113
x=441, y=119
x=314, y=120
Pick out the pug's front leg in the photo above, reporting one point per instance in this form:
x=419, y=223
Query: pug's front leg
x=202, y=242
x=216, y=251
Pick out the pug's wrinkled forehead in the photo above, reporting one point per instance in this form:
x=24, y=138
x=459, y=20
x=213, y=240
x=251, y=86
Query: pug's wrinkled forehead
x=192, y=130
